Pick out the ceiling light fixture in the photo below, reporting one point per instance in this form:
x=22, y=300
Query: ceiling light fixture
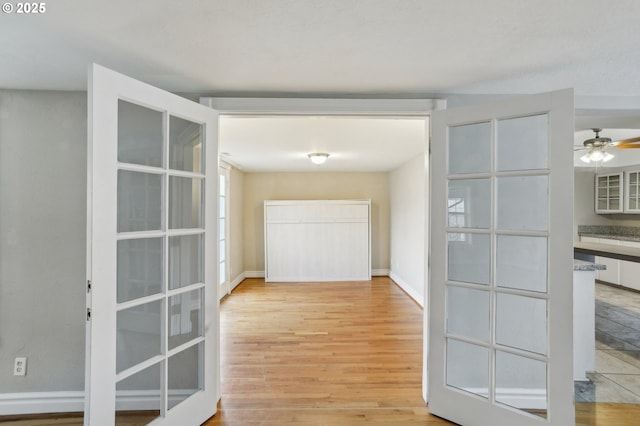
x=596, y=148
x=318, y=158
x=595, y=155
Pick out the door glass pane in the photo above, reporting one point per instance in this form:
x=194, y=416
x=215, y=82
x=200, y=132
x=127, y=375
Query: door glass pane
x=223, y=185
x=139, y=201
x=185, y=261
x=222, y=250
x=468, y=367
x=521, y=383
x=521, y=322
x=185, y=317
x=468, y=312
x=138, y=397
x=523, y=143
x=469, y=148
x=522, y=203
x=222, y=207
x=468, y=258
x=185, y=374
x=140, y=135
x=469, y=203
x=138, y=334
x=185, y=145
x=185, y=203
x=521, y=262
x=222, y=228
x=223, y=276
x=139, y=268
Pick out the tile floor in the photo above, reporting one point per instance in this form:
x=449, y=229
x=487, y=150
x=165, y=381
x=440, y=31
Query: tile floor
x=617, y=375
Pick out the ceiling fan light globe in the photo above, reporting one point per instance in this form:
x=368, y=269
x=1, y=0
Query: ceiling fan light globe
x=586, y=158
x=596, y=155
x=606, y=157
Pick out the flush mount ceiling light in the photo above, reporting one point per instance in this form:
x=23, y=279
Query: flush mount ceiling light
x=318, y=158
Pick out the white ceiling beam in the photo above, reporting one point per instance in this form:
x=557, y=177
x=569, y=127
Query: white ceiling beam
x=322, y=106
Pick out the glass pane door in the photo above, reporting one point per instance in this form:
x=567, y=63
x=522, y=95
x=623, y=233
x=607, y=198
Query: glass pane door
x=153, y=300
x=501, y=252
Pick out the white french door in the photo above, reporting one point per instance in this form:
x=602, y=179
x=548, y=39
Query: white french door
x=500, y=325
x=152, y=333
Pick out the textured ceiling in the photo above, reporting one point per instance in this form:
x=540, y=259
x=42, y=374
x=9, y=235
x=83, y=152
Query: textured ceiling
x=356, y=144
x=339, y=47
x=336, y=48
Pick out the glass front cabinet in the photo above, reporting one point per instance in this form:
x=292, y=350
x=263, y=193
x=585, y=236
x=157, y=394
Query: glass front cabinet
x=609, y=191
x=632, y=192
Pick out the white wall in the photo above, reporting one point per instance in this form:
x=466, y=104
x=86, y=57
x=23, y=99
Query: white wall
x=407, y=187
x=42, y=239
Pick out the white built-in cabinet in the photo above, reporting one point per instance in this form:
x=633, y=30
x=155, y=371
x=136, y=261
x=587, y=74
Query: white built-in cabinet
x=632, y=192
x=608, y=195
x=317, y=240
x=620, y=272
x=618, y=192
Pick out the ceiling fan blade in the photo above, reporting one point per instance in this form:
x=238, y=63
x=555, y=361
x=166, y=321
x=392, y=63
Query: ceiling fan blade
x=628, y=143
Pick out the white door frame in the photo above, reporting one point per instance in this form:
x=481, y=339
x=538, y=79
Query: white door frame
x=224, y=288
x=348, y=107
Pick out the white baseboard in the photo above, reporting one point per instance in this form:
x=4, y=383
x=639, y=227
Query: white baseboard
x=528, y=399
x=419, y=298
x=235, y=283
x=254, y=274
x=260, y=274
x=41, y=402
x=73, y=401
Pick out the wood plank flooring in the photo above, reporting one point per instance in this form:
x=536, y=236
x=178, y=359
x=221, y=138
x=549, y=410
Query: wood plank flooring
x=335, y=354
x=327, y=354
x=321, y=353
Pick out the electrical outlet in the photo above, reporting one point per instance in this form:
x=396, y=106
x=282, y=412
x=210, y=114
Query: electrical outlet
x=20, y=366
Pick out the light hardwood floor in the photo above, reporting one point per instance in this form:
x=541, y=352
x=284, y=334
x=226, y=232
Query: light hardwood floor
x=335, y=353
x=329, y=354
x=321, y=353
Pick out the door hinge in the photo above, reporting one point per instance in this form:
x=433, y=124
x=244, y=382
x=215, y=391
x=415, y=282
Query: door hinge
x=88, y=286
x=88, y=314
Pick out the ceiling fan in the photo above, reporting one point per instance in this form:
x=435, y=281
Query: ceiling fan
x=597, y=147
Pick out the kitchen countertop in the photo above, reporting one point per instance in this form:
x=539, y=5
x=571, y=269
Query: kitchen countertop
x=623, y=233
x=631, y=254
x=583, y=265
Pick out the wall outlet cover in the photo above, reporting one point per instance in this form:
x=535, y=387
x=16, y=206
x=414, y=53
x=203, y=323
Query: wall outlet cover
x=20, y=366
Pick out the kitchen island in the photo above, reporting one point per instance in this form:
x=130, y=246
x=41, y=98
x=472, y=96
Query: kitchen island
x=584, y=338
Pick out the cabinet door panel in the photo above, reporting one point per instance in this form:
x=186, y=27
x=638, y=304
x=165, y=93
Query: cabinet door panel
x=630, y=274
x=611, y=274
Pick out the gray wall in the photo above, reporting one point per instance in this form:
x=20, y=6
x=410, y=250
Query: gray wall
x=42, y=238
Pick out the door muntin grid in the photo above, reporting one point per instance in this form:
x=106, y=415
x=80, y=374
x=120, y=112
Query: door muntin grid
x=484, y=262
x=160, y=220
